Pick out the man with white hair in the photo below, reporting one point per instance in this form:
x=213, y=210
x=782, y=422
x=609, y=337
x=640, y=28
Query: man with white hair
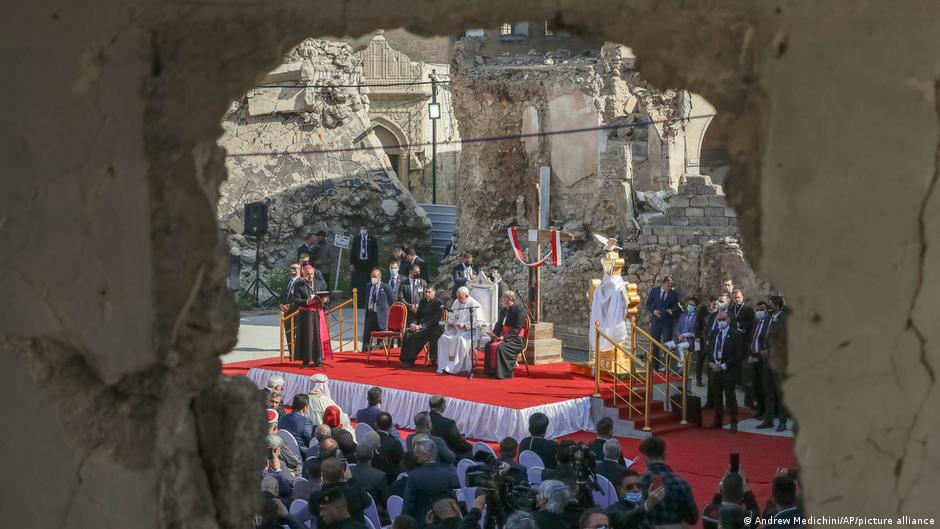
x=551, y=501
x=610, y=467
x=275, y=386
x=455, y=347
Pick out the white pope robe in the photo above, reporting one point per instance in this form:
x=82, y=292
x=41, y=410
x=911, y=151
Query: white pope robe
x=610, y=308
x=454, y=348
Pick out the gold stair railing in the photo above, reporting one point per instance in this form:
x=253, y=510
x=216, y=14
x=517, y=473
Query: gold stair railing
x=634, y=375
x=642, y=358
x=336, y=319
x=675, y=367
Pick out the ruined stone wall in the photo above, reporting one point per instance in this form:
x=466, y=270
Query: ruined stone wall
x=333, y=191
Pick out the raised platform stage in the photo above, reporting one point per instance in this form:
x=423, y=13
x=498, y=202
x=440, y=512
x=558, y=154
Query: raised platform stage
x=484, y=408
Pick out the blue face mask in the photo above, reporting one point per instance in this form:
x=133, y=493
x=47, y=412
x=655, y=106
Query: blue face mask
x=690, y=308
x=761, y=314
x=633, y=497
x=723, y=324
x=393, y=271
x=721, y=306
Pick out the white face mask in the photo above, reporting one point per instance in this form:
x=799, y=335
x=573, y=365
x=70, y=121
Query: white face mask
x=375, y=281
x=393, y=271
x=363, y=232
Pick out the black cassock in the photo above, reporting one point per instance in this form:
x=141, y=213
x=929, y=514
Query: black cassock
x=429, y=315
x=499, y=356
x=313, y=336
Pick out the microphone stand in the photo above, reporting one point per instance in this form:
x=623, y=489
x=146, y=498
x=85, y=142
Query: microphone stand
x=473, y=351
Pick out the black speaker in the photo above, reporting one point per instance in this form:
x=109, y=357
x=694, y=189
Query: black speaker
x=694, y=415
x=256, y=219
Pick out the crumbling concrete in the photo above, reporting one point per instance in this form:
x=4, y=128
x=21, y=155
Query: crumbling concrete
x=308, y=189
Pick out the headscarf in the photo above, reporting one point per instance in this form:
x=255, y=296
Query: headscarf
x=465, y=290
x=320, y=385
x=331, y=417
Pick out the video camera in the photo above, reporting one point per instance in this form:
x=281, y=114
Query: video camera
x=584, y=461
x=506, y=490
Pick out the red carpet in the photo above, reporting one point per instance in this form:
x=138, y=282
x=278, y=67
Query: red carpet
x=546, y=384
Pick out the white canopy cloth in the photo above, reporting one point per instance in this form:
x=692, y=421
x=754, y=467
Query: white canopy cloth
x=454, y=348
x=476, y=420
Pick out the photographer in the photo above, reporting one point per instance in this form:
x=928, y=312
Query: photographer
x=517, y=520
x=733, y=491
x=444, y=512
x=630, y=511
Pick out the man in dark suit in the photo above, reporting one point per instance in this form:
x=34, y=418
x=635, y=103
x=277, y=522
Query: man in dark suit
x=610, y=467
x=363, y=258
x=390, y=451
x=536, y=442
x=605, y=430
x=425, y=329
x=563, y=461
x=756, y=345
x=287, y=299
x=452, y=245
x=495, y=276
x=423, y=427
x=412, y=290
x=508, y=449
x=427, y=480
x=447, y=430
x=775, y=348
x=334, y=477
x=702, y=332
x=372, y=480
x=725, y=356
x=463, y=273
x=395, y=279
x=412, y=260
x=297, y=423
x=378, y=300
x=308, y=248
x=740, y=313
x=368, y=414
x=663, y=306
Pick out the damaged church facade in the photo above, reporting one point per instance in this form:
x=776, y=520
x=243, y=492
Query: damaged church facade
x=632, y=173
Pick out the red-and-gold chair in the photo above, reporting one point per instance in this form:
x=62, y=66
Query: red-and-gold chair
x=394, y=330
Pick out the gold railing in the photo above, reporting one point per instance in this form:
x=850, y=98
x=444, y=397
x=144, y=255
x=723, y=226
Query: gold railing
x=640, y=373
x=634, y=375
x=336, y=319
x=675, y=367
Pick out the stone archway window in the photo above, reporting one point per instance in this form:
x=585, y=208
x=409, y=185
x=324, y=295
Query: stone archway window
x=396, y=155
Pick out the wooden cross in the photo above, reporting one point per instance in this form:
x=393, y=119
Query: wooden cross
x=537, y=216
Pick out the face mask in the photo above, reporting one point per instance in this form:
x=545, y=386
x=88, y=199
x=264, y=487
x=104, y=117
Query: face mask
x=453, y=240
x=363, y=232
x=723, y=324
x=375, y=281
x=633, y=497
x=690, y=308
x=721, y=306
x=760, y=314
x=393, y=271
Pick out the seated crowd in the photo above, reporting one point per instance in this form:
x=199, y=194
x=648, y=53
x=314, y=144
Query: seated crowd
x=319, y=474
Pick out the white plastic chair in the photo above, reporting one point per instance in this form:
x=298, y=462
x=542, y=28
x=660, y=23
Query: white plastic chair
x=528, y=459
x=300, y=512
x=480, y=446
x=469, y=494
x=462, y=467
x=361, y=430
x=290, y=441
x=607, y=496
x=535, y=476
x=371, y=525
x=313, y=442
x=394, y=505
x=372, y=513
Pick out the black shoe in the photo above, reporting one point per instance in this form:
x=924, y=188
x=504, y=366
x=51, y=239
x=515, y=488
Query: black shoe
x=734, y=427
x=698, y=384
x=765, y=424
x=708, y=406
x=782, y=427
